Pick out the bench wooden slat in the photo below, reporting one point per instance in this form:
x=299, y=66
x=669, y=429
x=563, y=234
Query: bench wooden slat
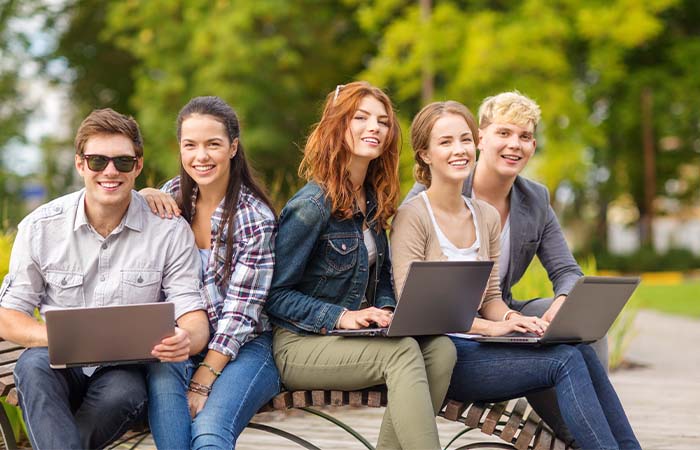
x=558, y=444
x=543, y=440
x=6, y=346
x=339, y=398
x=12, y=356
x=320, y=398
x=516, y=417
x=474, y=415
x=282, y=401
x=493, y=417
x=454, y=410
x=301, y=399
x=528, y=431
x=375, y=399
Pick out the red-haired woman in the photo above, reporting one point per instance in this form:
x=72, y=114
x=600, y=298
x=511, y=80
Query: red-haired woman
x=333, y=271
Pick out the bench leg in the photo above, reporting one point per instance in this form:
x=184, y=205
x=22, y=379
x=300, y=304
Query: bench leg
x=486, y=445
x=8, y=435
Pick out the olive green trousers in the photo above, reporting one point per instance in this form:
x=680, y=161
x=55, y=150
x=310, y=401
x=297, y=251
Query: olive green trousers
x=416, y=372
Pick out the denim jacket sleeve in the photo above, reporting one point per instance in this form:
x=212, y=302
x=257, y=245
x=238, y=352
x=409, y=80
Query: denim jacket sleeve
x=301, y=223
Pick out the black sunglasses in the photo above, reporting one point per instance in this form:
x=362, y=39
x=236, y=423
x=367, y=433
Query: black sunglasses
x=98, y=163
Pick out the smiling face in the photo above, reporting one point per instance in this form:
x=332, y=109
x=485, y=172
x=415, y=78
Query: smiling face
x=206, y=152
x=108, y=188
x=451, y=151
x=368, y=129
x=505, y=148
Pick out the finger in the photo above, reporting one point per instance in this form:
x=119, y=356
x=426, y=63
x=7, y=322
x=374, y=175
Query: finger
x=151, y=204
x=172, y=207
x=161, y=208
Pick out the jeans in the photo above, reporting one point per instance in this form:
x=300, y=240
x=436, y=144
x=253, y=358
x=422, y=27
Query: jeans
x=64, y=408
x=587, y=400
x=416, y=372
x=244, y=386
x=545, y=402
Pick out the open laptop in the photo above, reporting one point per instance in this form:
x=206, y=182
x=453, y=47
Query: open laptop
x=438, y=297
x=107, y=335
x=586, y=315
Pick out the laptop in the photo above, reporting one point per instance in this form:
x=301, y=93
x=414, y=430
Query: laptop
x=107, y=335
x=438, y=297
x=586, y=316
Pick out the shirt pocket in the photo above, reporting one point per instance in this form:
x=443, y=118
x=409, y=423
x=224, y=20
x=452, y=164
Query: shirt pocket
x=341, y=253
x=140, y=286
x=65, y=288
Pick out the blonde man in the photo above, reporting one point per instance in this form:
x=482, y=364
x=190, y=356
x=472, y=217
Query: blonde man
x=507, y=125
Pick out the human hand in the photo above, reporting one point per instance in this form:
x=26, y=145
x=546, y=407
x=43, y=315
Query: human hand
x=195, y=402
x=553, y=308
x=363, y=318
x=519, y=323
x=161, y=203
x=173, y=348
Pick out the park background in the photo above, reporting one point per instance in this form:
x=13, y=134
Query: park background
x=617, y=80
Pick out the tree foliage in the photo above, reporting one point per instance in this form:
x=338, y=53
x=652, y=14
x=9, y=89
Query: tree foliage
x=272, y=60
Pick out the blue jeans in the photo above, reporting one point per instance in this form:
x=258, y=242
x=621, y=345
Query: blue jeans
x=587, y=400
x=64, y=408
x=244, y=386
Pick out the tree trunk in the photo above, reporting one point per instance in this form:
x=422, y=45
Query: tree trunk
x=647, y=210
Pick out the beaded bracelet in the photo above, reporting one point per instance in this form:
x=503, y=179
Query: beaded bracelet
x=199, y=389
x=211, y=369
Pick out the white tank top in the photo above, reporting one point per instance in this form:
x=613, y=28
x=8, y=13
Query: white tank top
x=448, y=248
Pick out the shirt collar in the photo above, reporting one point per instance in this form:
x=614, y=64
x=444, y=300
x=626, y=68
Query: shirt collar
x=132, y=220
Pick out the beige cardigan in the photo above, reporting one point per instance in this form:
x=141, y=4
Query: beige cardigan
x=413, y=238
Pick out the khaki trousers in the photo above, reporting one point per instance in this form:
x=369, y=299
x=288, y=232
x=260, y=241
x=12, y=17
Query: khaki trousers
x=417, y=373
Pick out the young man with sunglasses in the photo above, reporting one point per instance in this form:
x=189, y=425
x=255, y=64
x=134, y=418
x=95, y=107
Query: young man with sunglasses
x=79, y=251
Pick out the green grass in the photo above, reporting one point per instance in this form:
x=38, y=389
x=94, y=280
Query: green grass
x=680, y=299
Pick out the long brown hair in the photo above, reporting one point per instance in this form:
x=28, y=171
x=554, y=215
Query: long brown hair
x=327, y=155
x=240, y=172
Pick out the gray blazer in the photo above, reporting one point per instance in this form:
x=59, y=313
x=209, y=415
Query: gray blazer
x=534, y=230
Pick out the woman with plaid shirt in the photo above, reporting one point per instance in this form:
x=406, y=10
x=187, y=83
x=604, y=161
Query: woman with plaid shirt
x=208, y=400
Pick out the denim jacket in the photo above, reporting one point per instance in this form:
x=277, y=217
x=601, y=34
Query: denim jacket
x=322, y=264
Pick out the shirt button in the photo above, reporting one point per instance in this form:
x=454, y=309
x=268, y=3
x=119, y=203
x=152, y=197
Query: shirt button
x=63, y=282
x=344, y=247
x=102, y=278
x=104, y=246
x=139, y=280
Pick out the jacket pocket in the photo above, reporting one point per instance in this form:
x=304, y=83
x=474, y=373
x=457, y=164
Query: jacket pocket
x=65, y=288
x=341, y=253
x=140, y=286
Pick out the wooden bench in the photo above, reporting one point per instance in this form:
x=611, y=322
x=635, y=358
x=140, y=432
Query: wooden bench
x=513, y=422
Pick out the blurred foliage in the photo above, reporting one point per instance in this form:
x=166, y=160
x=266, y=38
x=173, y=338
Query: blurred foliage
x=680, y=299
x=14, y=106
x=586, y=63
x=272, y=60
x=536, y=284
x=6, y=240
x=646, y=259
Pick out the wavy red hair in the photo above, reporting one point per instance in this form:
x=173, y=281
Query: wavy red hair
x=327, y=155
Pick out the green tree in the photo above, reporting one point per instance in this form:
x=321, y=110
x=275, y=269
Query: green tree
x=272, y=60
x=14, y=108
x=580, y=60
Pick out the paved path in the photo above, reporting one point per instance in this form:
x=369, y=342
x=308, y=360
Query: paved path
x=662, y=400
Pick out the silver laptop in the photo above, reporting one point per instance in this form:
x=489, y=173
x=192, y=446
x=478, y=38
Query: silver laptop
x=438, y=297
x=586, y=315
x=107, y=335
